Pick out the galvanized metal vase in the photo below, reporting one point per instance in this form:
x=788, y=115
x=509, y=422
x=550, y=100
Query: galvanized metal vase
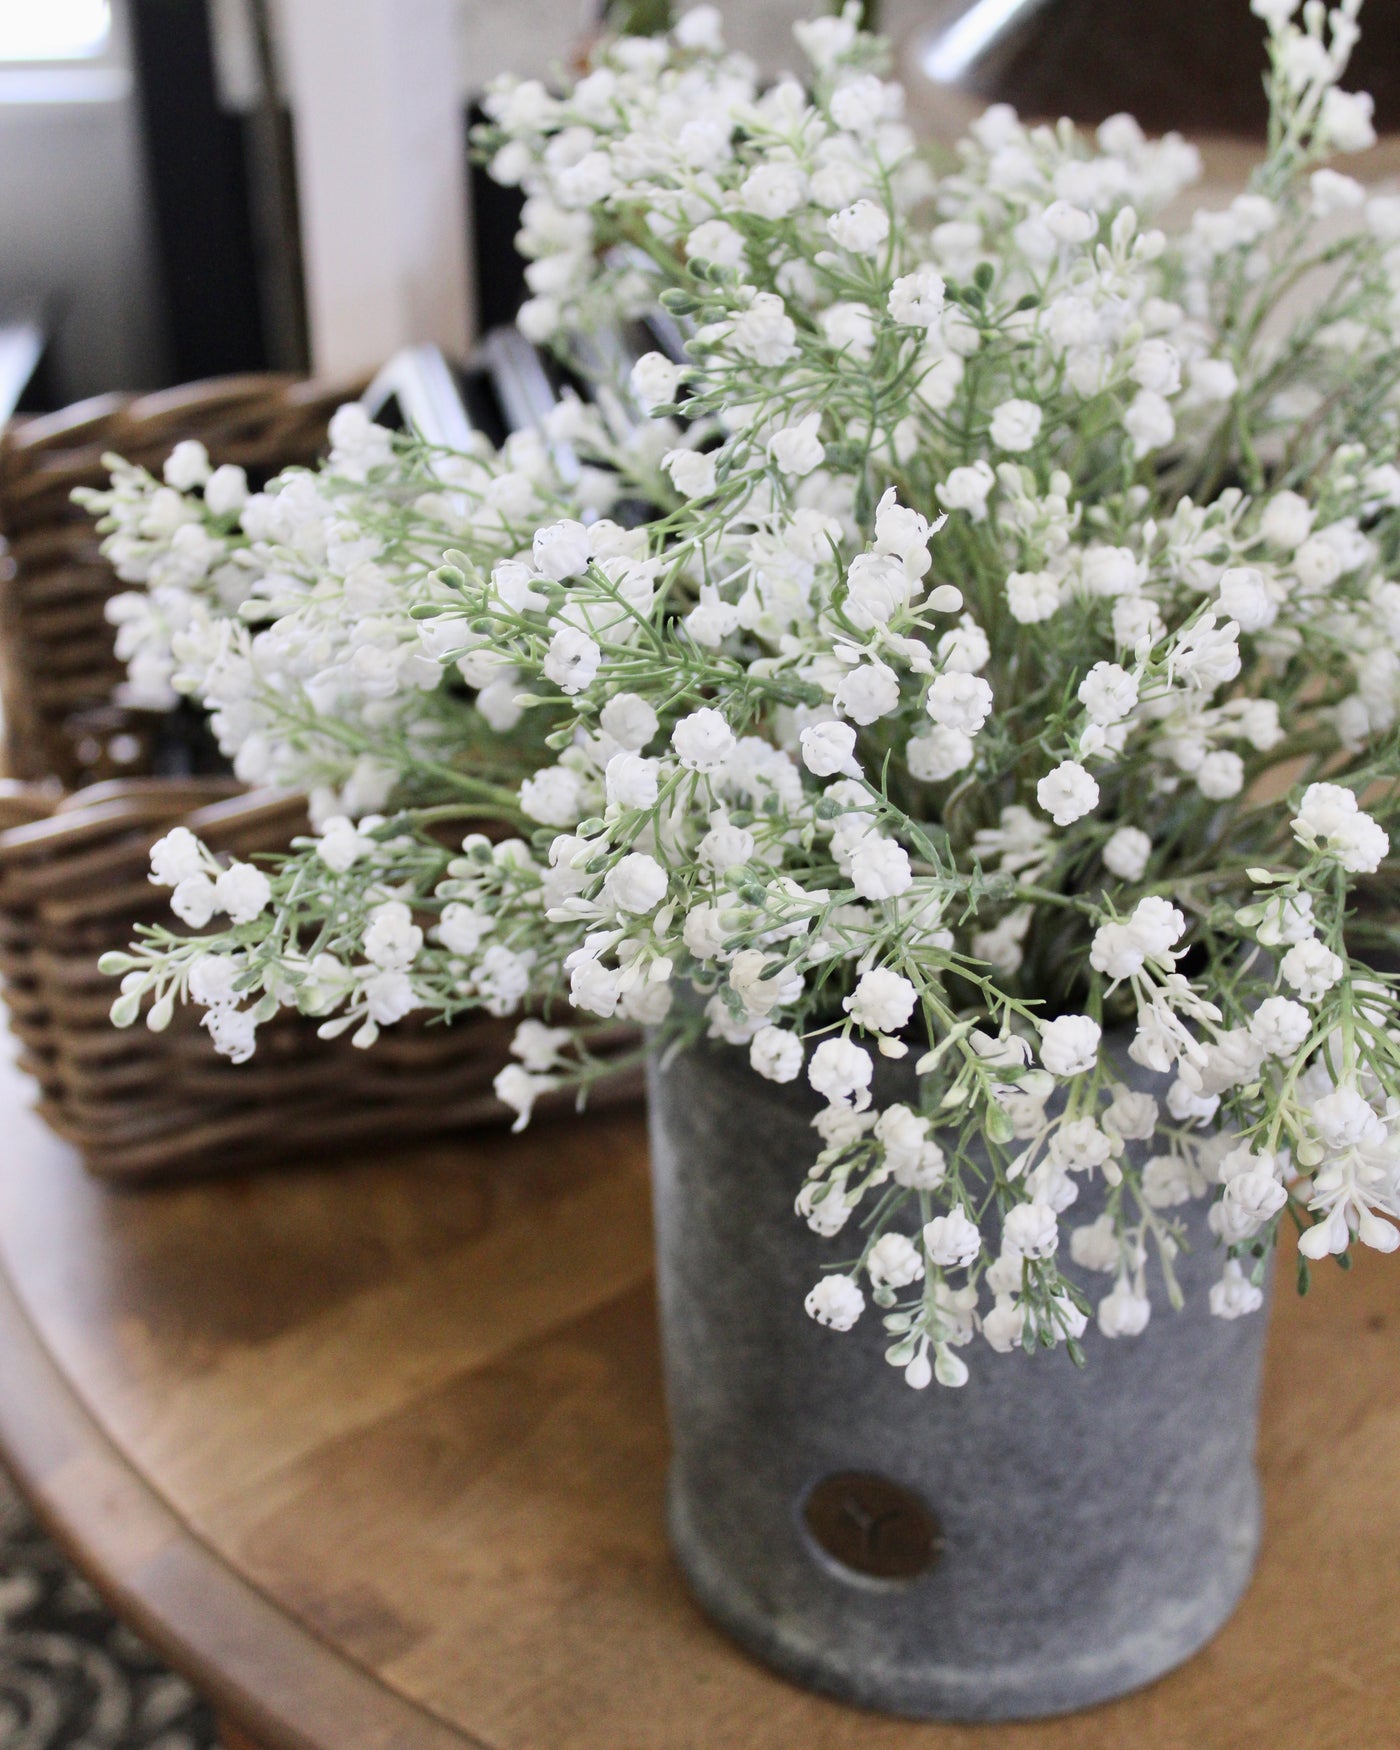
x=1037, y=1541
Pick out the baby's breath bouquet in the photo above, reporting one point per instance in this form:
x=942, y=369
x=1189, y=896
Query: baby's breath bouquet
x=974, y=642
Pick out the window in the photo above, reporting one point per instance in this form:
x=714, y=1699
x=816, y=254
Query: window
x=54, y=30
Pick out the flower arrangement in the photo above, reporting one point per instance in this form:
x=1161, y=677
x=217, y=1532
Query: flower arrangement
x=1005, y=654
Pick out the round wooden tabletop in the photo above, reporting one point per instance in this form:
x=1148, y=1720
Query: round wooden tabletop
x=374, y=1453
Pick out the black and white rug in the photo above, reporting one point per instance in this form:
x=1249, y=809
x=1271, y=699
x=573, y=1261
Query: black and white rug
x=71, y=1677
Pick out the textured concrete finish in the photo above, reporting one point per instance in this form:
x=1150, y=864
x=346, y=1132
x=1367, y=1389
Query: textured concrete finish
x=1100, y=1526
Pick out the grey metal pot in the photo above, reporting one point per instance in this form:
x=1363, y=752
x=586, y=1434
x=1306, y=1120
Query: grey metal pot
x=1037, y=1541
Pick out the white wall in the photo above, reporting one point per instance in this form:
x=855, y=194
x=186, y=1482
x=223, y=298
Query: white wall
x=381, y=177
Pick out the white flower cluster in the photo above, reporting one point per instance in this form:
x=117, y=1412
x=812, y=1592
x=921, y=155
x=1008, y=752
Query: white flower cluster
x=1008, y=561
x=288, y=613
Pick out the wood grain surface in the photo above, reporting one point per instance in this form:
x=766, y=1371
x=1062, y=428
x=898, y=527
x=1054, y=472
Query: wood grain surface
x=376, y=1456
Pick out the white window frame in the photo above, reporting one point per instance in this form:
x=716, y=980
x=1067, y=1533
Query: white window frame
x=98, y=75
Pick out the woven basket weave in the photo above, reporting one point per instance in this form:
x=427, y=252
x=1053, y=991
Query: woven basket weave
x=74, y=861
x=73, y=882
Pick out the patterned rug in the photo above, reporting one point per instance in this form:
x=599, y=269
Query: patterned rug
x=71, y=1677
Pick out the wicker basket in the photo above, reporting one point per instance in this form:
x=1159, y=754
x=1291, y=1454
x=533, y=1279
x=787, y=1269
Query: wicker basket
x=73, y=882
x=74, y=861
x=57, y=663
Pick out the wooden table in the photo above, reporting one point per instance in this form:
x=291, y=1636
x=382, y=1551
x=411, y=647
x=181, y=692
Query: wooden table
x=374, y=1454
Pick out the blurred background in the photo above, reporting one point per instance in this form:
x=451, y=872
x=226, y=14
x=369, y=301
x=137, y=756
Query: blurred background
x=194, y=187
